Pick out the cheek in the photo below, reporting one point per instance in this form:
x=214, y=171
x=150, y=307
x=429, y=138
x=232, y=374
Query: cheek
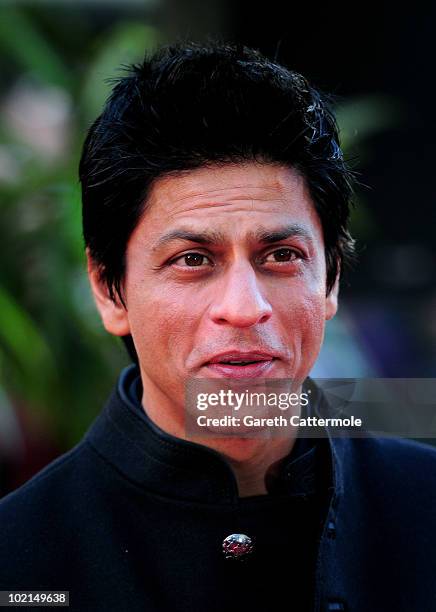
x=312, y=334
x=162, y=322
x=304, y=318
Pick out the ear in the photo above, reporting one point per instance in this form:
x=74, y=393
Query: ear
x=113, y=314
x=332, y=300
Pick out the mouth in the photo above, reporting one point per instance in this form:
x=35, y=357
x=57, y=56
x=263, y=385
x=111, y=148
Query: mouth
x=241, y=364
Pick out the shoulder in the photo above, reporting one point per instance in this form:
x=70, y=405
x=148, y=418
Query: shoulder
x=392, y=466
x=45, y=486
x=47, y=510
x=397, y=452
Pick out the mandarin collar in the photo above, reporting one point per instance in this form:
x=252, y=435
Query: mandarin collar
x=163, y=464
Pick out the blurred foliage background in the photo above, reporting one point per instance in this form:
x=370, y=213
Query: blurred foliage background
x=57, y=363
x=56, y=360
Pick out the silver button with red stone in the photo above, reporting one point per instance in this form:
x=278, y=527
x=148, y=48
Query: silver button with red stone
x=237, y=546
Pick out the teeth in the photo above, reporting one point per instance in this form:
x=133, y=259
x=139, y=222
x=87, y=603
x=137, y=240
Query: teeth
x=238, y=362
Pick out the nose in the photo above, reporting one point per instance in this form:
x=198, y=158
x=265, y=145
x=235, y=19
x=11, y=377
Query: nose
x=239, y=301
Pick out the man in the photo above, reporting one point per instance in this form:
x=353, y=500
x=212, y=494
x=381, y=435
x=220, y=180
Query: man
x=215, y=210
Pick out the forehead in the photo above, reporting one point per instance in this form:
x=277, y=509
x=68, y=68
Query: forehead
x=233, y=199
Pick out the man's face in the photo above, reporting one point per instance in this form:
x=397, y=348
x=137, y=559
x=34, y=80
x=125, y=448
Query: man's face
x=227, y=264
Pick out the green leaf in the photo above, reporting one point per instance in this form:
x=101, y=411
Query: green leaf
x=21, y=40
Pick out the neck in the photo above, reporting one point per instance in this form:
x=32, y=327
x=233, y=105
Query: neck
x=250, y=458
x=251, y=472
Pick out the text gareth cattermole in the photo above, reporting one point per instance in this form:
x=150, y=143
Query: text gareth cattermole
x=278, y=421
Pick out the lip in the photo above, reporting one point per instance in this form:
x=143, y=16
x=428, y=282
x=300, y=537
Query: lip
x=263, y=364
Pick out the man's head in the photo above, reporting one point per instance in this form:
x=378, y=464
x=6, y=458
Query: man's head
x=215, y=210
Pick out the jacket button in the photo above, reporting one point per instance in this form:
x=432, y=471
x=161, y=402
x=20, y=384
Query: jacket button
x=331, y=530
x=336, y=606
x=237, y=546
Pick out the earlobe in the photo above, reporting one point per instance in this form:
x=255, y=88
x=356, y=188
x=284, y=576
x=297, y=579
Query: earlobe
x=332, y=300
x=113, y=313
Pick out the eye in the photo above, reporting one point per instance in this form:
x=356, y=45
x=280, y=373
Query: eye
x=282, y=255
x=191, y=260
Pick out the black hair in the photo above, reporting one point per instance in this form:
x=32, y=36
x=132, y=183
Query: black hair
x=191, y=105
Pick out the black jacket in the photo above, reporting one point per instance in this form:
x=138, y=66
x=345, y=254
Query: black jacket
x=133, y=519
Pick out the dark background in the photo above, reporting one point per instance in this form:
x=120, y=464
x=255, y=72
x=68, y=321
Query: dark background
x=57, y=364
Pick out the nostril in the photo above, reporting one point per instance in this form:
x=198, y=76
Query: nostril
x=265, y=318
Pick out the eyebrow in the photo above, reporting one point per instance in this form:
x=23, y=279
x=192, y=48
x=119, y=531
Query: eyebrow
x=211, y=237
